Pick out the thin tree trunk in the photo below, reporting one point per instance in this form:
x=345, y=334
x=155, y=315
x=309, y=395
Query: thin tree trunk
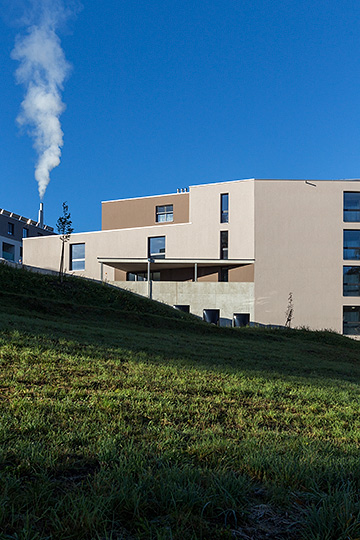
x=61, y=271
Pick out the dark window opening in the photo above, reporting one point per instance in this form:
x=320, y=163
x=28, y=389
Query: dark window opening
x=25, y=232
x=8, y=252
x=224, y=214
x=156, y=247
x=224, y=274
x=224, y=244
x=164, y=213
x=352, y=206
x=351, y=320
x=352, y=245
x=11, y=229
x=77, y=257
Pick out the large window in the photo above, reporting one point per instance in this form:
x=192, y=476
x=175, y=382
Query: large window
x=351, y=320
x=352, y=245
x=164, y=213
x=224, y=244
x=156, y=247
x=8, y=252
x=77, y=257
x=11, y=229
x=224, y=211
x=352, y=206
x=142, y=276
x=351, y=281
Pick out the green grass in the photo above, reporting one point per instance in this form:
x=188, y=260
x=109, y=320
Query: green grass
x=122, y=418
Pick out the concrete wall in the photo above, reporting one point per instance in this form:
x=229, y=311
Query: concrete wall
x=299, y=249
x=230, y=298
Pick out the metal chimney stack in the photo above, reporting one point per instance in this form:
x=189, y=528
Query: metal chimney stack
x=41, y=215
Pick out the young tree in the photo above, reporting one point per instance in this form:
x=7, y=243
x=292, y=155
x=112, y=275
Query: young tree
x=289, y=311
x=64, y=228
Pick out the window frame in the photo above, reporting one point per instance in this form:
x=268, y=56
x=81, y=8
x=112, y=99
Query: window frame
x=348, y=286
x=13, y=252
x=157, y=254
x=142, y=276
x=350, y=248
x=348, y=325
x=11, y=229
x=224, y=212
x=224, y=247
x=25, y=232
x=167, y=213
x=346, y=208
x=77, y=259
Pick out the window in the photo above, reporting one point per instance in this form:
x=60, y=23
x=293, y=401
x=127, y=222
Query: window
x=224, y=213
x=11, y=229
x=164, y=213
x=351, y=281
x=352, y=206
x=156, y=247
x=351, y=320
x=77, y=257
x=25, y=232
x=224, y=274
x=8, y=252
x=224, y=242
x=142, y=276
x=352, y=245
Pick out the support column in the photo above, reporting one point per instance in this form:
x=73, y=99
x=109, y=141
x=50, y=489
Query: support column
x=195, y=272
x=102, y=271
x=148, y=278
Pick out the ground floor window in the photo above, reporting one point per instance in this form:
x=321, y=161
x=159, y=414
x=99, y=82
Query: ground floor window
x=142, y=276
x=351, y=320
x=77, y=257
x=224, y=274
x=8, y=251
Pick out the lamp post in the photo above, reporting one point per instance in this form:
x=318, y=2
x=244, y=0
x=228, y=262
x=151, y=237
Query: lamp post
x=150, y=260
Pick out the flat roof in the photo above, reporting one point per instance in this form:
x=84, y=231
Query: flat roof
x=127, y=264
x=237, y=180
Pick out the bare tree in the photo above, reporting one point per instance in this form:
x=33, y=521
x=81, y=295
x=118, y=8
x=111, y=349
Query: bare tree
x=64, y=228
x=289, y=313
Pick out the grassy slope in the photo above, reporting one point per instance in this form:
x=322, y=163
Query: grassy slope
x=122, y=418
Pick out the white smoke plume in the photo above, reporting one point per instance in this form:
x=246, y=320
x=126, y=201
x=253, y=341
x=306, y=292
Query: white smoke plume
x=42, y=70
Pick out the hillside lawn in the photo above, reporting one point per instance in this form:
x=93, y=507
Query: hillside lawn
x=122, y=418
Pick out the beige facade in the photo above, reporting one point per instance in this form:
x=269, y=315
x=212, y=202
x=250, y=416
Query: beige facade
x=283, y=236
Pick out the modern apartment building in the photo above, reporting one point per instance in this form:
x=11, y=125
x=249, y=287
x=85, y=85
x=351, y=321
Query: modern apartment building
x=240, y=247
x=13, y=229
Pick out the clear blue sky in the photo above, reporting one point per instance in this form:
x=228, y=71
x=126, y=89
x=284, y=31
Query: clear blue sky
x=170, y=93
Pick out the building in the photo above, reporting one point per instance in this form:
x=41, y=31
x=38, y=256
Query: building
x=241, y=247
x=14, y=228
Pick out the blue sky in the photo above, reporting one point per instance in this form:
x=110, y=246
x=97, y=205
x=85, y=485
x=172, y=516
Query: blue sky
x=171, y=93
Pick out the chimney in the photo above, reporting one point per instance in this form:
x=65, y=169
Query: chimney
x=41, y=215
